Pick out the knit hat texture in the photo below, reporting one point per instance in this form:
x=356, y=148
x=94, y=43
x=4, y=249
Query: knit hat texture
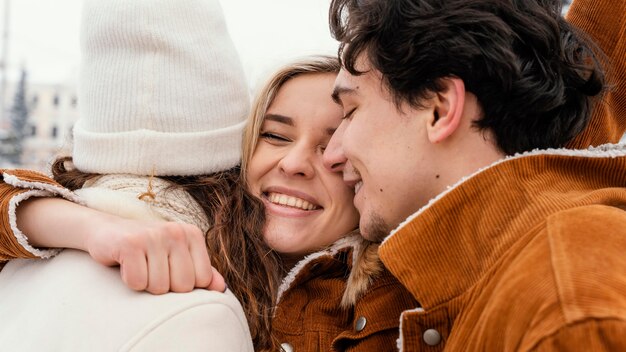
x=161, y=89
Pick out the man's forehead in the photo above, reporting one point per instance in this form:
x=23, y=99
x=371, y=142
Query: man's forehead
x=345, y=84
x=348, y=84
x=362, y=62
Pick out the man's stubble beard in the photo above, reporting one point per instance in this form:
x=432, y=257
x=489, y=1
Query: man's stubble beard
x=377, y=229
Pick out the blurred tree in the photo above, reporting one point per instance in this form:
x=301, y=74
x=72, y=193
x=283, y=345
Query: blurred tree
x=12, y=141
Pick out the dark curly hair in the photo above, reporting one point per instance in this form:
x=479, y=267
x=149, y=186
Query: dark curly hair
x=531, y=71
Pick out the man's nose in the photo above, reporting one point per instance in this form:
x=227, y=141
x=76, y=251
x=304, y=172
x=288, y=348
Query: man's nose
x=334, y=158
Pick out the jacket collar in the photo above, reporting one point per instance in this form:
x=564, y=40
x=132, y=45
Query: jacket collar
x=447, y=246
x=363, y=264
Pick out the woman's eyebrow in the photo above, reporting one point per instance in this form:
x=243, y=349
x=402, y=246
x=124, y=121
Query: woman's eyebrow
x=280, y=119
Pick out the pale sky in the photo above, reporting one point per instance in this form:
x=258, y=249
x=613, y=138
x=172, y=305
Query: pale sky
x=44, y=35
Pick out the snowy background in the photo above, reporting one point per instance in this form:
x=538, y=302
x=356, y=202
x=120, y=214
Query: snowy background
x=43, y=35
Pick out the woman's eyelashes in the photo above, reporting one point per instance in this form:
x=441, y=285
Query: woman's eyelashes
x=274, y=137
x=278, y=139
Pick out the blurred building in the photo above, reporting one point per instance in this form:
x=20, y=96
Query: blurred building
x=52, y=113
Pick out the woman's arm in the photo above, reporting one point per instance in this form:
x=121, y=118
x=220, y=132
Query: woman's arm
x=55, y=223
x=16, y=187
x=154, y=256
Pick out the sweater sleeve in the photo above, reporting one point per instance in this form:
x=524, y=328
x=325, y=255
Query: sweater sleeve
x=15, y=187
x=605, y=22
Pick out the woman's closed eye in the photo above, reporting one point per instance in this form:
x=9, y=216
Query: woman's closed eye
x=274, y=137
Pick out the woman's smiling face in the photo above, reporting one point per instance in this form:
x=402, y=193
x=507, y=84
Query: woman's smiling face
x=308, y=206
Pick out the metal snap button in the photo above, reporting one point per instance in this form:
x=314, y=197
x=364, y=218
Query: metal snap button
x=431, y=337
x=286, y=347
x=360, y=324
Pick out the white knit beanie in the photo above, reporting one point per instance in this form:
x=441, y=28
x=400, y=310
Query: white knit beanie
x=161, y=89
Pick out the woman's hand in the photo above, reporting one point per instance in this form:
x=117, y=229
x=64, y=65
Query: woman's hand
x=157, y=257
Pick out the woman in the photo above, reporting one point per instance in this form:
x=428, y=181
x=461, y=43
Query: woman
x=156, y=90
x=326, y=298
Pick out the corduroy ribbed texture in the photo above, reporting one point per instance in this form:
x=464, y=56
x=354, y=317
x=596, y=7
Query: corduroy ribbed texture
x=507, y=257
x=310, y=317
x=161, y=89
x=605, y=22
x=10, y=248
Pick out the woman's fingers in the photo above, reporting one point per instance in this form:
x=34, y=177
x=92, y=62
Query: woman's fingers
x=182, y=273
x=134, y=270
x=201, y=260
x=158, y=271
x=157, y=257
x=217, y=283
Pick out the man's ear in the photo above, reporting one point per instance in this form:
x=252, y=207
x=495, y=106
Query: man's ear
x=447, y=110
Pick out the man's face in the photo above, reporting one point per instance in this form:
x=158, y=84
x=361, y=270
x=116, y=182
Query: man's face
x=383, y=152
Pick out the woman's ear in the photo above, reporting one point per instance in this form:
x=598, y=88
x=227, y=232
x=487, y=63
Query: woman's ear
x=447, y=110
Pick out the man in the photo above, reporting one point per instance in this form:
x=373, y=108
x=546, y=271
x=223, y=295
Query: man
x=503, y=250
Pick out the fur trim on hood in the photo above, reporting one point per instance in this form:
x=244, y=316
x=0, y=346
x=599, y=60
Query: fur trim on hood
x=366, y=266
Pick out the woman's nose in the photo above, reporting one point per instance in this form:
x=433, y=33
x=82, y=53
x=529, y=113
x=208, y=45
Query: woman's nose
x=298, y=162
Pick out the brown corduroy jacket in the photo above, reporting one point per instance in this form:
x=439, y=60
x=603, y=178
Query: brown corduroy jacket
x=526, y=255
x=341, y=299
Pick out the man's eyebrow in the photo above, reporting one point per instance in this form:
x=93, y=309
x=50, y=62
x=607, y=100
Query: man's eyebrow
x=280, y=119
x=338, y=91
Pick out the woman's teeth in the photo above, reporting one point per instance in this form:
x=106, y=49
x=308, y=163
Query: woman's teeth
x=283, y=199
